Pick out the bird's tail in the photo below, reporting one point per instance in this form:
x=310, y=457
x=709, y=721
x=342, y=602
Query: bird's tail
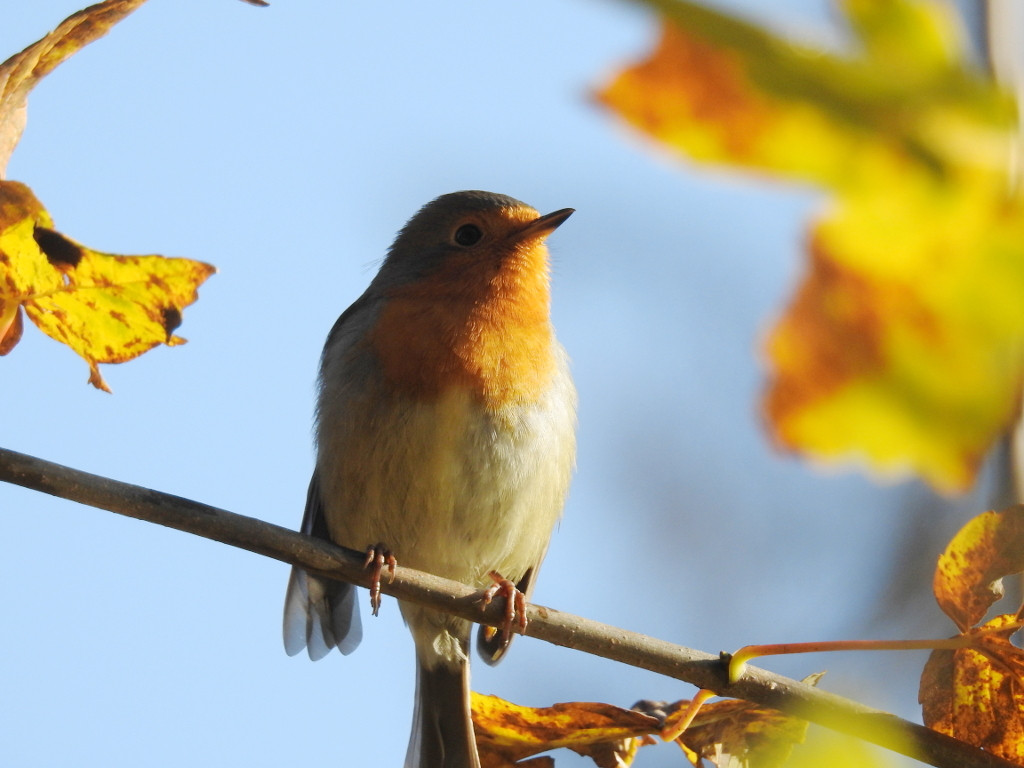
x=442, y=727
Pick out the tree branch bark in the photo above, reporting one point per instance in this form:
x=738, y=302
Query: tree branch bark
x=700, y=669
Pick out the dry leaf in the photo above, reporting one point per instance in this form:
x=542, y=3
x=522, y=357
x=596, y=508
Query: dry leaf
x=611, y=736
x=969, y=573
x=507, y=733
x=975, y=693
x=20, y=73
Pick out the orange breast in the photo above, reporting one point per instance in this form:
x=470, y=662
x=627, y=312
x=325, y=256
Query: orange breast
x=482, y=323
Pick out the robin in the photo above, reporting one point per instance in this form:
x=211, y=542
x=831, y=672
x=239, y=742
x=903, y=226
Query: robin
x=445, y=430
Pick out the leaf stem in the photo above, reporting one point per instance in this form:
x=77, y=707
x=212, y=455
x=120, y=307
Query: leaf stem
x=739, y=659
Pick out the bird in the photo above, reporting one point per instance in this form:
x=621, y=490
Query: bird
x=446, y=437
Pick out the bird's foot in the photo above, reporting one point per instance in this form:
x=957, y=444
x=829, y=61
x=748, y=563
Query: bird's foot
x=515, y=604
x=377, y=556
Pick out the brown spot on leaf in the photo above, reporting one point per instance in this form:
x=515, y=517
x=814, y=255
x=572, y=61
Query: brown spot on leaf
x=59, y=251
x=171, y=319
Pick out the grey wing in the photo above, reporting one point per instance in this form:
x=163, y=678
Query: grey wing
x=319, y=614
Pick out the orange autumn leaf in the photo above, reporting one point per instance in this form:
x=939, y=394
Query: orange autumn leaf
x=902, y=346
x=108, y=309
x=968, y=577
x=975, y=692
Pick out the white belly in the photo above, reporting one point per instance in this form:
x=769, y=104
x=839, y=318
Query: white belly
x=447, y=487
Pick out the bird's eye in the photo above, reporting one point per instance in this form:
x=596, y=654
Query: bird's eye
x=468, y=234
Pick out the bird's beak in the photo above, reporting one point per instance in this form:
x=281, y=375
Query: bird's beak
x=544, y=225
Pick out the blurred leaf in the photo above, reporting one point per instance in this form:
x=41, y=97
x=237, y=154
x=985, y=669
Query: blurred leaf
x=903, y=344
x=835, y=750
x=108, y=309
x=20, y=73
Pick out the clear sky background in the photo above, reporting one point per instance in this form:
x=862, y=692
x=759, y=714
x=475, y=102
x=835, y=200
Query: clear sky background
x=286, y=145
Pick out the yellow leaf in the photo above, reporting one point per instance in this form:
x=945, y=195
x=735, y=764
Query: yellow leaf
x=903, y=346
x=108, y=309
x=20, y=73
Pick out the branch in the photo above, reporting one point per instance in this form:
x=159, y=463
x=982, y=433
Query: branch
x=699, y=669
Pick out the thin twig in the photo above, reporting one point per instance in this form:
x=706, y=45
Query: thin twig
x=700, y=669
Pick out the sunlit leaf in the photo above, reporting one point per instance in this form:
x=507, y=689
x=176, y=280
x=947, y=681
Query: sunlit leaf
x=903, y=345
x=108, y=309
x=968, y=578
x=976, y=694
x=974, y=691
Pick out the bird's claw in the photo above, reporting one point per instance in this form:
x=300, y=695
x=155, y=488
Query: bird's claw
x=377, y=556
x=515, y=603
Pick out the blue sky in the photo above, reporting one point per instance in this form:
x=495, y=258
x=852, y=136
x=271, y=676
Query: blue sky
x=286, y=145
